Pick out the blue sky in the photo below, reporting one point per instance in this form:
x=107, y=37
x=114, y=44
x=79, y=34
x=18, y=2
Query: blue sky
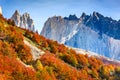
x=41, y=10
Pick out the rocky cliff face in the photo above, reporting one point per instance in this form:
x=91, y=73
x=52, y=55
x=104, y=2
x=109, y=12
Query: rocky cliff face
x=94, y=32
x=0, y=10
x=23, y=21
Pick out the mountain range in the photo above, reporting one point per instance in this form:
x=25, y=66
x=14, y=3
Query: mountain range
x=93, y=32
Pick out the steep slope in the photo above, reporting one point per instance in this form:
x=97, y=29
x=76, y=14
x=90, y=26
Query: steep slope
x=104, y=59
x=22, y=58
x=14, y=54
x=23, y=21
x=94, y=33
x=36, y=53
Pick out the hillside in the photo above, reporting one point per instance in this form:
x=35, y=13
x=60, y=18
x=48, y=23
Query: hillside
x=25, y=55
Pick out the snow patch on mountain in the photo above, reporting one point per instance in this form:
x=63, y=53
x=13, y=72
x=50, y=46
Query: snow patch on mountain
x=71, y=34
x=68, y=37
x=95, y=14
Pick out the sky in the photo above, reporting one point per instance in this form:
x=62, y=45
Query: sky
x=41, y=10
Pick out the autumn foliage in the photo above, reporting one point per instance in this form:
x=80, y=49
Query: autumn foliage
x=58, y=63
x=62, y=62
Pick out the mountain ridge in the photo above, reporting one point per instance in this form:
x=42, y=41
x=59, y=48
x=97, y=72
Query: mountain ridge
x=94, y=33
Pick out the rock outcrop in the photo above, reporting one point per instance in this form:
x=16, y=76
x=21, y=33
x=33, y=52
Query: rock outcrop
x=23, y=21
x=0, y=10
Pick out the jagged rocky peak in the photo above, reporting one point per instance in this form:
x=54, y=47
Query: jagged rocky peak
x=23, y=21
x=71, y=17
x=83, y=15
x=16, y=15
x=97, y=15
x=16, y=18
x=26, y=15
x=56, y=18
x=16, y=12
x=0, y=10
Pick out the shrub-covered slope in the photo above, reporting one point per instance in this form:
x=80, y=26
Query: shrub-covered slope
x=57, y=63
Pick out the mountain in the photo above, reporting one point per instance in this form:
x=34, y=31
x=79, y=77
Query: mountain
x=23, y=21
x=93, y=32
x=26, y=55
